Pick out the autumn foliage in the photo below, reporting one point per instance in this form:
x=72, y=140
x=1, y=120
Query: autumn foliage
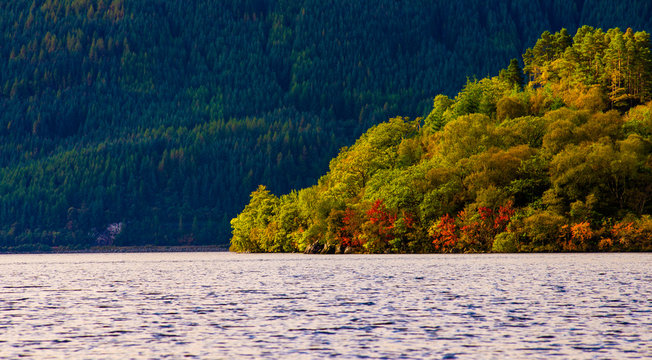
x=445, y=234
x=562, y=163
x=471, y=230
x=373, y=229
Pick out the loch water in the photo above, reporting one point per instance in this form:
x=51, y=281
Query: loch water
x=291, y=306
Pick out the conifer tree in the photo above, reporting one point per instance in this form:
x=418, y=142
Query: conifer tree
x=514, y=74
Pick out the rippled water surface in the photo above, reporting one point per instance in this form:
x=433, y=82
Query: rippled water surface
x=223, y=305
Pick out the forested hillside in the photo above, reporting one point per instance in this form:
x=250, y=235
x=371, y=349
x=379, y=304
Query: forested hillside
x=149, y=122
x=561, y=164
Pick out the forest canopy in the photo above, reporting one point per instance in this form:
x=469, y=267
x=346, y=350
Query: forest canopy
x=560, y=162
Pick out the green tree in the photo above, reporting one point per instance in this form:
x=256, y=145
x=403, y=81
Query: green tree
x=436, y=119
x=513, y=75
x=250, y=228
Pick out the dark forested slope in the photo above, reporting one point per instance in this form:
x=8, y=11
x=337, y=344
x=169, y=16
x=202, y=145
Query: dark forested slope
x=164, y=115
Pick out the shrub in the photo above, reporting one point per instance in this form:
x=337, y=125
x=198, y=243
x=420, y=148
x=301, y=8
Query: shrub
x=505, y=242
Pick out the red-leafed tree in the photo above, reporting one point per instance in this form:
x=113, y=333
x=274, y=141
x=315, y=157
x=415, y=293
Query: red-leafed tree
x=379, y=227
x=445, y=234
x=470, y=231
x=479, y=230
x=349, y=234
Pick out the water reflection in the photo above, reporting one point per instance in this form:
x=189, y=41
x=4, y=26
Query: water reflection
x=221, y=305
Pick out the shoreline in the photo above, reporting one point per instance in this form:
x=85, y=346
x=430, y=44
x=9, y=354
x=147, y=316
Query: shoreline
x=125, y=249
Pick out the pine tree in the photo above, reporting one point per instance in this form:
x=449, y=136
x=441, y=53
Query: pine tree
x=514, y=74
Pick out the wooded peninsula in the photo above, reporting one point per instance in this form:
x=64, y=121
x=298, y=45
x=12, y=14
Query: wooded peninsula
x=557, y=160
